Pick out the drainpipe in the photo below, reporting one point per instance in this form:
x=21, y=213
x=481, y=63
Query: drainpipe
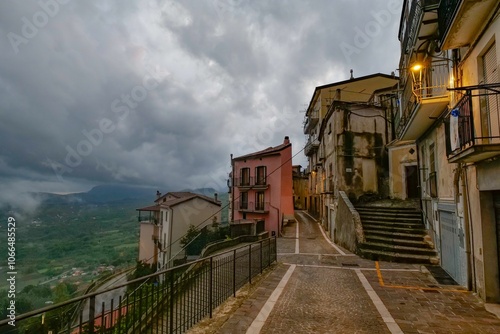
x=469, y=231
x=170, y=239
x=279, y=222
x=232, y=189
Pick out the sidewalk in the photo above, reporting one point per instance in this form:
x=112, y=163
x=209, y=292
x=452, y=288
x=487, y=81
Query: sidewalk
x=315, y=288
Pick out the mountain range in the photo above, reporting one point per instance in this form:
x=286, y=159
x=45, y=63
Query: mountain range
x=111, y=193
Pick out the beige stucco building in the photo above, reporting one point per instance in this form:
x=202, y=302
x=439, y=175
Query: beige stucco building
x=166, y=222
x=450, y=93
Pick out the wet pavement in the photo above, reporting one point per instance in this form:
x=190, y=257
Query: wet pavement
x=318, y=287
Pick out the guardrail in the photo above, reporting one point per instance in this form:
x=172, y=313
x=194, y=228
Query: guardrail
x=169, y=301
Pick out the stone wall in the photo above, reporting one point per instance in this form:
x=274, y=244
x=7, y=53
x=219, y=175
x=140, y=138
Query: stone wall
x=348, y=229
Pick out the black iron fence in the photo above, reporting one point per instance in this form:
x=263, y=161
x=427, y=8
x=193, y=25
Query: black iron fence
x=466, y=133
x=446, y=12
x=170, y=301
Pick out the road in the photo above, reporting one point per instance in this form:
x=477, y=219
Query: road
x=318, y=287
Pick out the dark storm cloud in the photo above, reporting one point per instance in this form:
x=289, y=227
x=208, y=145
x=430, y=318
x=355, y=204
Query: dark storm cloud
x=161, y=92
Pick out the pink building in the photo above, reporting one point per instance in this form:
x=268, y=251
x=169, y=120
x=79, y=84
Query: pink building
x=262, y=188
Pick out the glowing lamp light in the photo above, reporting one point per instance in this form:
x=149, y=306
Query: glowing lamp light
x=416, y=67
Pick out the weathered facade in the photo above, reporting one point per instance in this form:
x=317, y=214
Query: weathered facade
x=300, y=188
x=348, y=128
x=450, y=93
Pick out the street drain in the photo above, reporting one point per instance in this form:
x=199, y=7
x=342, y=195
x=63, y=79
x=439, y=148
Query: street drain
x=350, y=265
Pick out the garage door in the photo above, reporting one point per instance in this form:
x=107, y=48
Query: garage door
x=453, y=258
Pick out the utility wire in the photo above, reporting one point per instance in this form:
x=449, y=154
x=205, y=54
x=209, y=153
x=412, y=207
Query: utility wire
x=226, y=206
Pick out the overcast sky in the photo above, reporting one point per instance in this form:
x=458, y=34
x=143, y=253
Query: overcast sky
x=160, y=93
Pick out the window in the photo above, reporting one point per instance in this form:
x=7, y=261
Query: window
x=432, y=171
x=424, y=170
x=260, y=175
x=245, y=177
x=244, y=200
x=259, y=201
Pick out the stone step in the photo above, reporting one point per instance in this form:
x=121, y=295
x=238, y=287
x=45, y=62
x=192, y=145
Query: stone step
x=388, y=208
x=398, y=241
x=415, y=235
x=390, y=215
x=393, y=223
x=387, y=211
x=389, y=218
x=377, y=255
x=398, y=249
x=391, y=228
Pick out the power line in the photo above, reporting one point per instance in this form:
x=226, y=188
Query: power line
x=226, y=206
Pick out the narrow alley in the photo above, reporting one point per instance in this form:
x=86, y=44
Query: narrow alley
x=317, y=287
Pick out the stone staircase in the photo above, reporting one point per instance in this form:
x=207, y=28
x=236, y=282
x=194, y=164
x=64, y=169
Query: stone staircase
x=395, y=234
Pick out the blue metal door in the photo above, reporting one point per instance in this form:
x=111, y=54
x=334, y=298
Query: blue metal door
x=453, y=258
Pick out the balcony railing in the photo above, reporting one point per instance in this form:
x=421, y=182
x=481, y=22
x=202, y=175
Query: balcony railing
x=252, y=182
x=467, y=142
x=147, y=219
x=169, y=301
x=413, y=22
x=432, y=81
x=259, y=207
x=311, y=147
x=446, y=11
x=425, y=91
x=310, y=121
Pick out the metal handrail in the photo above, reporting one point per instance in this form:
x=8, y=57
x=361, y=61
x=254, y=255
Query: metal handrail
x=175, y=299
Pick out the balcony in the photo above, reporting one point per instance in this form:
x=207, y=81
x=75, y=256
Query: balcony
x=252, y=183
x=460, y=21
x=311, y=147
x=470, y=142
x=421, y=23
x=259, y=207
x=147, y=219
x=424, y=98
x=310, y=121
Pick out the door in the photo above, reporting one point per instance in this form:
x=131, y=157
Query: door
x=496, y=201
x=411, y=174
x=453, y=258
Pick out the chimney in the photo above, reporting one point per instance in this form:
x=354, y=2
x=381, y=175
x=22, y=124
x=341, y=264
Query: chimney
x=215, y=197
x=158, y=194
x=287, y=140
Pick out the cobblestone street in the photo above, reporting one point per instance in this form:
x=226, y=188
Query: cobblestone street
x=317, y=287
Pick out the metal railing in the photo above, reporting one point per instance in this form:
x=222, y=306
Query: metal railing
x=428, y=83
x=310, y=120
x=251, y=181
x=311, y=146
x=446, y=12
x=432, y=80
x=170, y=301
x=467, y=133
x=253, y=207
x=413, y=21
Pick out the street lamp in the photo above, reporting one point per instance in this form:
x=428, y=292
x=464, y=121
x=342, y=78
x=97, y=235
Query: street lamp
x=417, y=72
